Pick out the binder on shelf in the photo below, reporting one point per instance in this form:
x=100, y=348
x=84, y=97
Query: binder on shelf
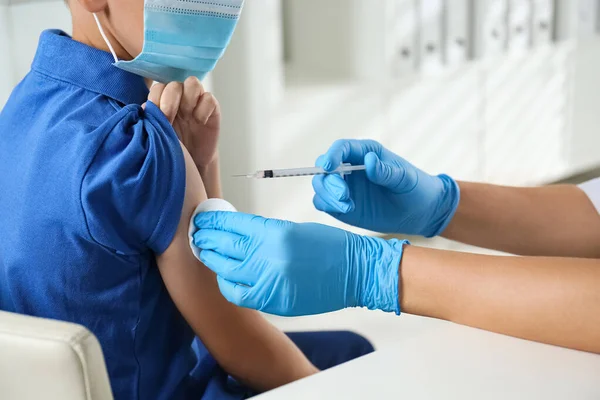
x=566, y=15
x=543, y=22
x=519, y=25
x=401, y=37
x=491, y=27
x=457, y=39
x=588, y=18
x=431, y=49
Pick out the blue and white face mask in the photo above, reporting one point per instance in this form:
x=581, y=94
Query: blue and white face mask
x=182, y=38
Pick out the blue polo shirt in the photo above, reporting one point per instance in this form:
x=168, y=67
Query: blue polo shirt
x=91, y=188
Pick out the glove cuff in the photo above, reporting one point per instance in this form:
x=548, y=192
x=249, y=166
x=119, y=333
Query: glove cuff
x=447, y=206
x=382, y=289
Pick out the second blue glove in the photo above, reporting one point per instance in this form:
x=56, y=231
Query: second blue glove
x=392, y=196
x=290, y=269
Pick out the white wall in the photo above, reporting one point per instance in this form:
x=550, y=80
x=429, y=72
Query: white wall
x=584, y=140
x=21, y=23
x=7, y=77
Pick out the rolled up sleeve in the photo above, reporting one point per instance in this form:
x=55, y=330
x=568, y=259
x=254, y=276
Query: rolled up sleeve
x=132, y=194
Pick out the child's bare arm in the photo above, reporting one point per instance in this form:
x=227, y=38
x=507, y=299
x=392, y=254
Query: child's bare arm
x=244, y=343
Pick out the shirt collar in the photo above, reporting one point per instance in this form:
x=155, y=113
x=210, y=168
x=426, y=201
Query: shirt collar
x=62, y=58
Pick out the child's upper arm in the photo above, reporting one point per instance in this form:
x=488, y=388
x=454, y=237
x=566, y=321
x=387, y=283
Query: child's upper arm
x=191, y=285
x=137, y=196
x=245, y=344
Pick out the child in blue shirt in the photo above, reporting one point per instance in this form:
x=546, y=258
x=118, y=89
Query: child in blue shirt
x=98, y=180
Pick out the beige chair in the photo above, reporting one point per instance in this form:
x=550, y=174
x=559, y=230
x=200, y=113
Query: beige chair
x=50, y=360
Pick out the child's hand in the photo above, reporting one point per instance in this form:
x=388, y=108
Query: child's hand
x=194, y=113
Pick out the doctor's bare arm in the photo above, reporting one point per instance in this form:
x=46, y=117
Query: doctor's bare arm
x=549, y=300
x=546, y=221
x=241, y=340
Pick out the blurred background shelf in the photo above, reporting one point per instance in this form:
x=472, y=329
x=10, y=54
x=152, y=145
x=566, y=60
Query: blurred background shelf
x=502, y=91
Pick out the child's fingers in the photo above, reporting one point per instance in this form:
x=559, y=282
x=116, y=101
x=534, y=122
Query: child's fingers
x=156, y=92
x=207, y=107
x=192, y=92
x=171, y=99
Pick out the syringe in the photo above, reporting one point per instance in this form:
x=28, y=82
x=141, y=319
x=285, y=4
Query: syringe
x=344, y=169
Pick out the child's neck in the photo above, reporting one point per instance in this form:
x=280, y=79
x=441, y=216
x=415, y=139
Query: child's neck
x=86, y=31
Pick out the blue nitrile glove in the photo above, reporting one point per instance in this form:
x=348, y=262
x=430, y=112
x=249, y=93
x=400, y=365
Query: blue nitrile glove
x=290, y=269
x=392, y=196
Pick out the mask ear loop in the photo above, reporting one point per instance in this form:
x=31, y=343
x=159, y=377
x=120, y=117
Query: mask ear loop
x=112, y=51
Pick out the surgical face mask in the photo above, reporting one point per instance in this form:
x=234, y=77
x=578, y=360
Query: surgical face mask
x=182, y=38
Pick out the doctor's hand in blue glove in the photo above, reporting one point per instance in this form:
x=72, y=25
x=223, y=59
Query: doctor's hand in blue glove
x=391, y=196
x=290, y=269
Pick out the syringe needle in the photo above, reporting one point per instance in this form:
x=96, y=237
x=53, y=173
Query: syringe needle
x=248, y=176
x=344, y=169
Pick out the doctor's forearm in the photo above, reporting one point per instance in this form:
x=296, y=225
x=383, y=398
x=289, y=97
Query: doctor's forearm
x=545, y=221
x=548, y=300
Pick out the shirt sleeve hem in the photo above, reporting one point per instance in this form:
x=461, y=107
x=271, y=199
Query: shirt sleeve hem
x=168, y=222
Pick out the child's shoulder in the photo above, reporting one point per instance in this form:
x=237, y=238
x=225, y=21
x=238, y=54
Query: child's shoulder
x=62, y=102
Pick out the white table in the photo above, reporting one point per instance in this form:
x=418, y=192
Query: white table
x=456, y=362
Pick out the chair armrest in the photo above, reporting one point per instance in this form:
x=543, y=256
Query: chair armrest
x=52, y=360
